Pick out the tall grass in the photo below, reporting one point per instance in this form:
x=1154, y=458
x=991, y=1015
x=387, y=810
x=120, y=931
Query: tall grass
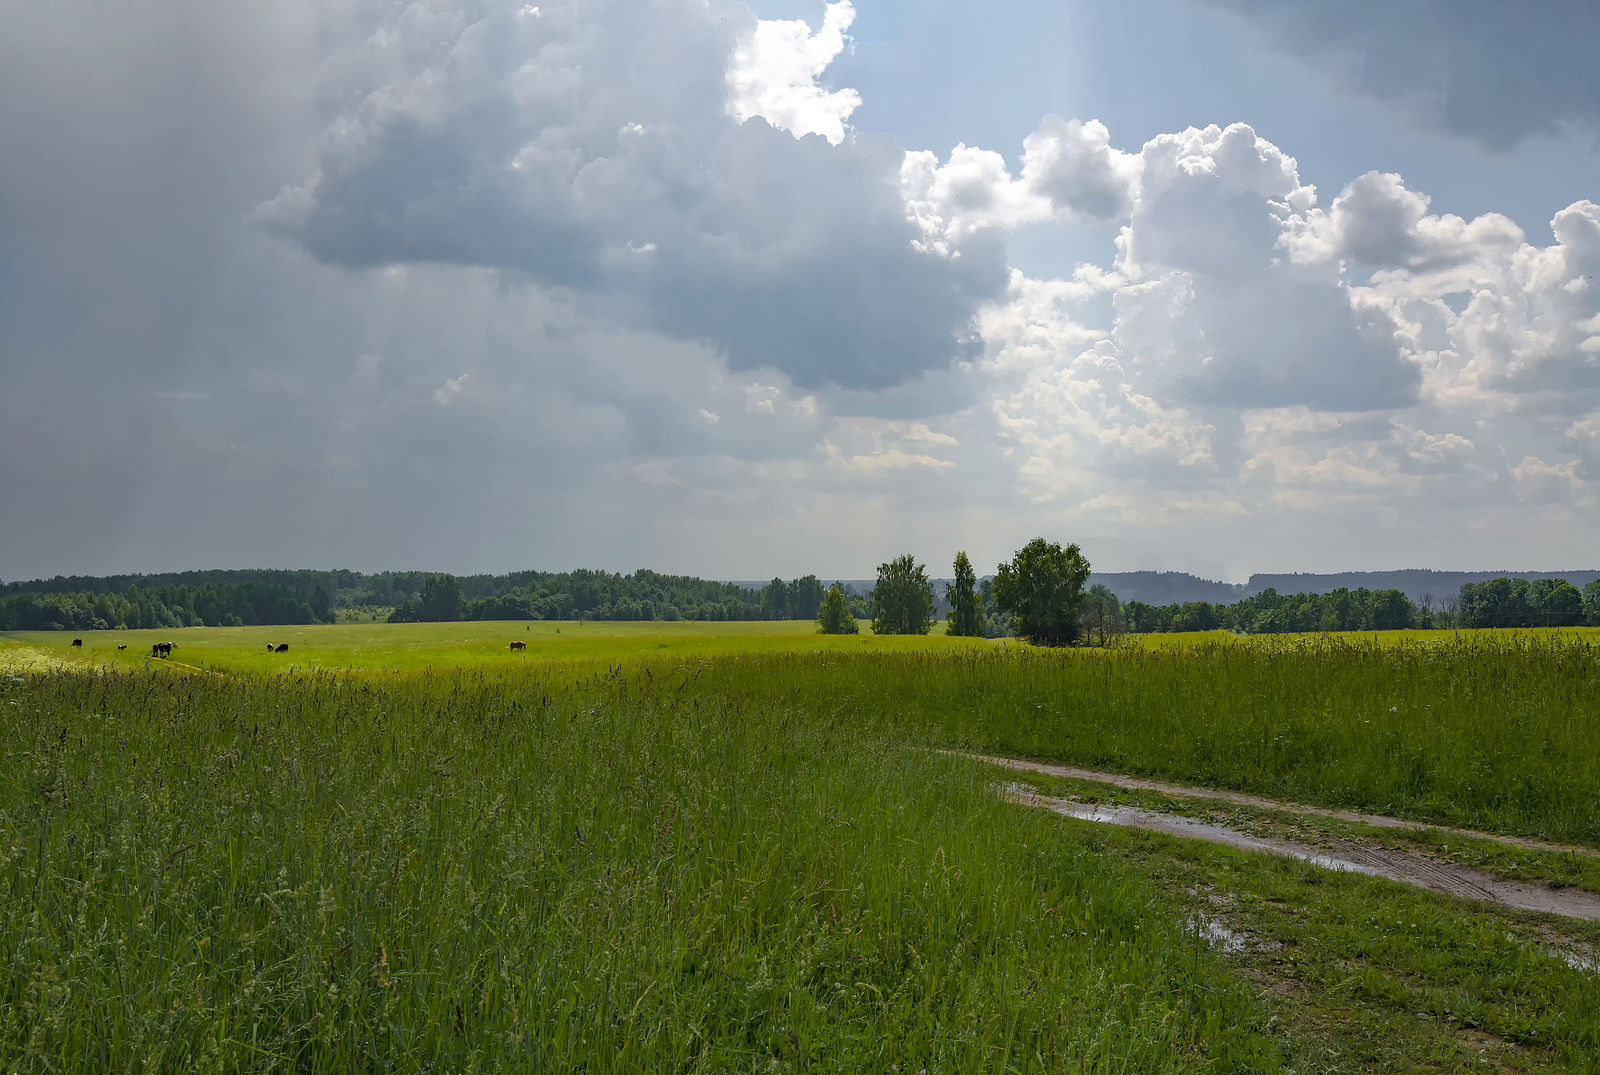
x=654, y=868
x=1497, y=732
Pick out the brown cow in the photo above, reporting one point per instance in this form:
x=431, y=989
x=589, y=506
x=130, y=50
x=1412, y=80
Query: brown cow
x=519, y=645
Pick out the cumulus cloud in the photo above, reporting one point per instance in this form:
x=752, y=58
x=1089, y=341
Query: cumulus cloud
x=1215, y=314
x=590, y=148
x=775, y=73
x=1070, y=172
x=1494, y=72
x=1074, y=166
x=1380, y=224
x=1539, y=331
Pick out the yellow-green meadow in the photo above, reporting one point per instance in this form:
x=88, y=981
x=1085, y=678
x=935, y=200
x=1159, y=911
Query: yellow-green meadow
x=741, y=847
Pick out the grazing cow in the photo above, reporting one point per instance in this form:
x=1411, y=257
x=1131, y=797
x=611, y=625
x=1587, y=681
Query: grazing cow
x=121, y=646
x=281, y=647
x=519, y=645
x=78, y=642
x=269, y=647
x=161, y=649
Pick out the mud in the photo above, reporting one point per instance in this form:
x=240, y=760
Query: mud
x=1219, y=936
x=1403, y=866
x=1189, y=791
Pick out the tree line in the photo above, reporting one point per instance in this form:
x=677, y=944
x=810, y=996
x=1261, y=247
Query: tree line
x=245, y=604
x=1039, y=595
x=1502, y=602
x=252, y=598
x=602, y=595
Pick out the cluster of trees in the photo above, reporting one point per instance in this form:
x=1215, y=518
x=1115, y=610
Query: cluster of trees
x=1503, y=602
x=1270, y=612
x=602, y=595
x=214, y=604
x=1037, y=596
x=1507, y=602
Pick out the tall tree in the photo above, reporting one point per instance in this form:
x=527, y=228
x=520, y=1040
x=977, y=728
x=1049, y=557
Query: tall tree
x=965, y=617
x=902, y=601
x=1555, y=603
x=1042, y=587
x=834, y=617
x=805, y=597
x=441, y=599
x=1102, y=613
x=1591, y=603
x=775, y=600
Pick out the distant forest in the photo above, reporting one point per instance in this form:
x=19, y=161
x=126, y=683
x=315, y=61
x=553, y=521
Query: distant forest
x=251, y=598
x=1420, y=585
x=1500, y=602
x=1132, y=601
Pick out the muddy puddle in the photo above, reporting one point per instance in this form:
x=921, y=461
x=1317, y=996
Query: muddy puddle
x=1403, y=866
x=1189, y=791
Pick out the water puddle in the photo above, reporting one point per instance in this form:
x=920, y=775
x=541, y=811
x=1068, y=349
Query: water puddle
x=1186, y=791
x=1403, y=866
x=1584, y=961
x=1218, y=936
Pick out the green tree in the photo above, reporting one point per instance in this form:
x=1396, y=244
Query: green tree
x=1591, y=603
x=1392, y=610
x=805, y=598
x=1042, y=588
x=833, y=617
x=902, y=600
x=966, y=608
x=775, y=600
x=441, y=599
x=1555, y=603
x=1102, y=613
x=321, y=606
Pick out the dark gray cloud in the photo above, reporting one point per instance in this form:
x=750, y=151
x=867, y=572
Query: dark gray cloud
x=592, y=149
x=1489, y=70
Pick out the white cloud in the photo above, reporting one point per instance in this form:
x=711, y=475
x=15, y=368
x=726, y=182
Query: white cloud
x=1069, y=172
x=1216, y=314
x=1380, y=224
x=1073, y=165
x=449, y=390
x=888, y=459
x=775, y=70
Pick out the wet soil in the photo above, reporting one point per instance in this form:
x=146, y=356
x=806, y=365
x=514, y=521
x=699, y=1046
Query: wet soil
x=1405, y=866
x=1189, y=791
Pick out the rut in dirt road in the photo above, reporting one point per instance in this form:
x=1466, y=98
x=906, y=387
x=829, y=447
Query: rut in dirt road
x=1190, y=791
x=1406, y=867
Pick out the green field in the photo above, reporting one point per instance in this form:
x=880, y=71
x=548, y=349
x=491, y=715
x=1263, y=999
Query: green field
x=420, y=646
x=736, y=847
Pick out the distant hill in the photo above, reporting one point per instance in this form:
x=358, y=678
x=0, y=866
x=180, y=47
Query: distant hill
x=1166, y=587
x=1418, y=584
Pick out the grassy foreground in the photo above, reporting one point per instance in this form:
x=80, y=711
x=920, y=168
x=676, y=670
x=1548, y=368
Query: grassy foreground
x=553, y=871
x=740, y=852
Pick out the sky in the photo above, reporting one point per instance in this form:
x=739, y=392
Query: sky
x=789, y=287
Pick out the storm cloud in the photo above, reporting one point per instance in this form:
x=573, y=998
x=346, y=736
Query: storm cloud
x=591, y=147
x=482, y=286
x=1498, y=73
